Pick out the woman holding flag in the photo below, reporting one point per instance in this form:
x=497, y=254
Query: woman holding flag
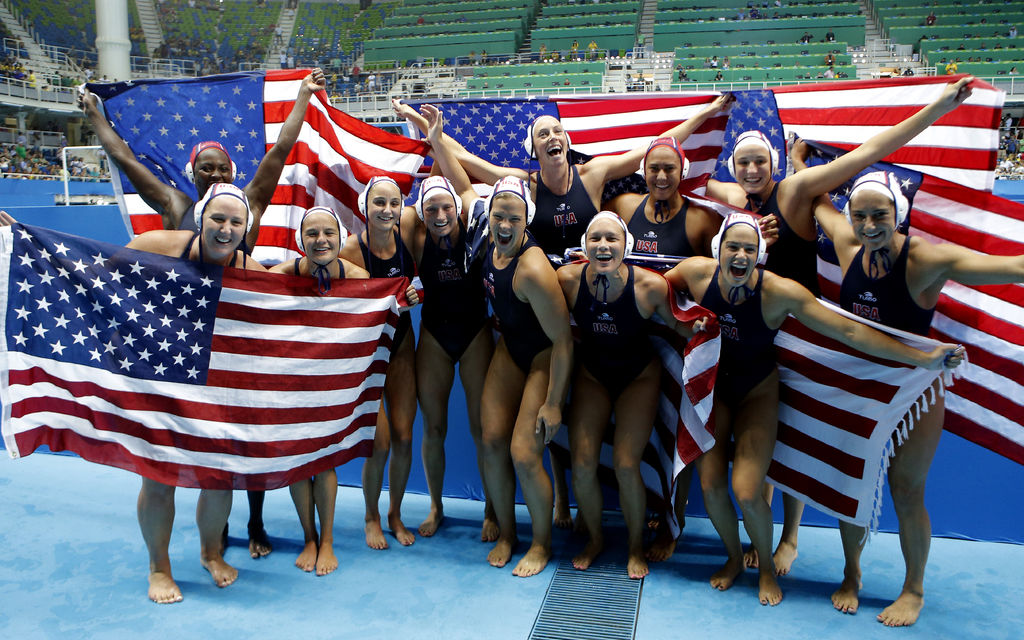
x=209, y=163
x=320, y=235
x=566, y=196
x=896, y=279
x=751, y=303
x=754, y=163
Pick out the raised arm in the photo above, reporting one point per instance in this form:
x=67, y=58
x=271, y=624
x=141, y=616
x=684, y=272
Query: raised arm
x=820, y=179
x=474, y=165
x=169, y=202
x=621, y=165
x=261, y=188
x=789, y=297
x=445, y=159
x=539, y=285
x=943, y=262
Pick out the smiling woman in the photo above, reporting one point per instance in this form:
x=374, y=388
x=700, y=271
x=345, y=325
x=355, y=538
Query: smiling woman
x=751, y=305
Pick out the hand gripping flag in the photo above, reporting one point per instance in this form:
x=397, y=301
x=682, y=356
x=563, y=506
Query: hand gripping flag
x=334, y=156
x=189, y=374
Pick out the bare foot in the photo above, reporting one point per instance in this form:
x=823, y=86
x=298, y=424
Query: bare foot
x=307, y=559
x=501, y=553
x=375, y=535
x=784, y=556
x=563, y=519
x=259, y=544
x=636, y=565
x=768, y=591
x=724, y=577
x=490, y=531
x=845, y=597
x=586, y=557
x=163, y=589
x=222, y=573
x=750, y=559
x=433, y=521
x=326, y=561
x=904, y=611
x=663, y=546
x=533, y=562
x=405, y=537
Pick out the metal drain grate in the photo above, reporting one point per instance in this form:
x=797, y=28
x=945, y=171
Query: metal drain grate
x=600, y=603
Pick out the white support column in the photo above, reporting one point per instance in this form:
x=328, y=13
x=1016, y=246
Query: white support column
x=112, y=41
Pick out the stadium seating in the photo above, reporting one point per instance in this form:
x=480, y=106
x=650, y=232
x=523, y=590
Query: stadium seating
x=847, y=28
x=72, y=26
x=772, y=74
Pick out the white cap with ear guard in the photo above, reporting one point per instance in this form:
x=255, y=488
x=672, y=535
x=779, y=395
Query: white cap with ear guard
x=219, y=189
x=609, y=215
x=753, y=136
x=511, y=184
x=342, y=231
x=734, y=219
x=888, y=185
x=437, y=182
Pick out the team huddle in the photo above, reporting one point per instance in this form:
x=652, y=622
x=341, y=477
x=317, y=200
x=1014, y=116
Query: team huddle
x=751, y=270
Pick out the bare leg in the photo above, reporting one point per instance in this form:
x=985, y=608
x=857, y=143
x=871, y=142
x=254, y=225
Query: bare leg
x=302, y=496
x=259, y=543
x=325, y=494
x=785, y=552
x=907, y=475
x=563, y=516
x=528, y=457
x=401, y=396
x=435, y=373
x=635, y=409
x=588, y=419
x=750, y=555
x=155, y=510
x=845, y=598
x=754, y=430
x=664, y=543
x=373, y=479
x=502, y=392
x=211, y=515
x=713, y=468
x=472, y=372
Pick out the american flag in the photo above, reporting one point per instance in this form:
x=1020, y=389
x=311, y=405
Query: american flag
x=683, y=428
x=838, y=412
x=494, y=128
x=189, y=374
x=962, y=146
x=986, y=405
x=334, y=156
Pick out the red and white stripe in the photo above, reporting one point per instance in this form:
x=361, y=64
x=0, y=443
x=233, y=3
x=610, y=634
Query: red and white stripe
x=334, y=157
x=961, y=146
x=838, y=410
x=294, y=387
x=609, y=124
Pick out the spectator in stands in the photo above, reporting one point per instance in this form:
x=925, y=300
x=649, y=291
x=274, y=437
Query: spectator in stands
x=420, y=20
x=718, y=76
x=592, y=50
x=830, y=36
x=930, y=19
x=829, y=72
x=806, y=38
x=575, y=47
x=951, y=67
x=830, y=58
x=543, y=51
x=714, y=62
x=283, y=59
x=1013, y=71
x=1013, y=31
x=909, y=71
